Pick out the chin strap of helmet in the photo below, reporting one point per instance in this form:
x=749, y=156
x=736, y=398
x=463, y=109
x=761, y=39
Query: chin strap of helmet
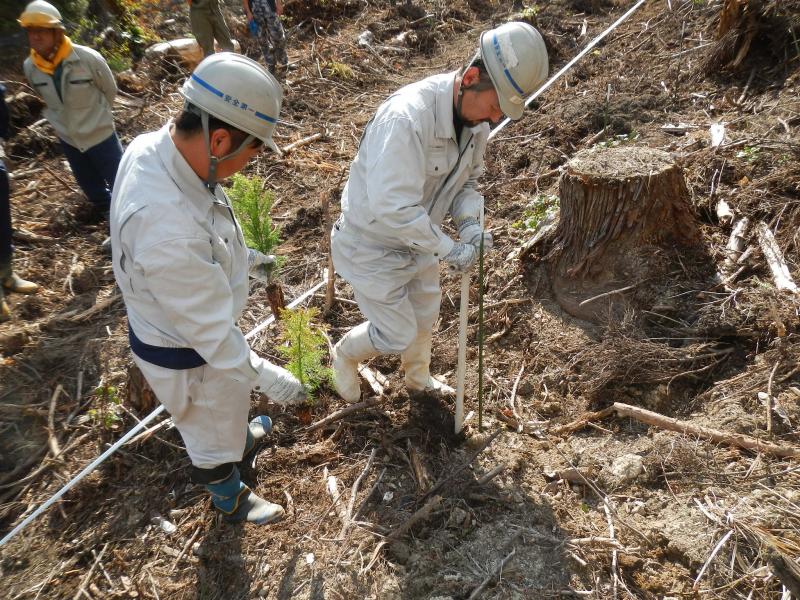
x=213, y=161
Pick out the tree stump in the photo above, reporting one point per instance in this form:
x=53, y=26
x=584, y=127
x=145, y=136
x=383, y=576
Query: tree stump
x=623, y=212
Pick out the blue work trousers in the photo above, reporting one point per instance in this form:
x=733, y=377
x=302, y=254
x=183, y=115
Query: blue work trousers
x=96, y=169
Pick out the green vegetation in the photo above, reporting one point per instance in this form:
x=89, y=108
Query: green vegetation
x=118, y=62
x=749, y=153
x=252, y=205
x=619, y=140
x=537, y=211
x=107, y=402
x=529, y=13
x=340, y=70
x=304, y=347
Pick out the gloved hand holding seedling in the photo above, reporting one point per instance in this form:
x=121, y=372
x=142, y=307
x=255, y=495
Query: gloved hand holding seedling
x=261, y=266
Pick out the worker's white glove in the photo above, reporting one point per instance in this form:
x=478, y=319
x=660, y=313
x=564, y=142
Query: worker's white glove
x=260, y=265
x=279, y=385
x=461, y=257
x=469, y=232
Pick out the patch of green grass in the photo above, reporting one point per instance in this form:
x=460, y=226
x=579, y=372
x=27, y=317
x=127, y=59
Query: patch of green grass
x=529, y=13
x=118, y=62
x=537, y=211
x=108, y=402
x=340, y=70
x=749, y=153
x=619, y=140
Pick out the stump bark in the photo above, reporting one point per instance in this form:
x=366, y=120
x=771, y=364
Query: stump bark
x=624, y=211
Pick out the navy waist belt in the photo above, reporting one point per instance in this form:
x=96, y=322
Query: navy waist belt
x=169, y=358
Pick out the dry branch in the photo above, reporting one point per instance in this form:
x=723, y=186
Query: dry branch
x=582, y=422
x=354, y=491
x=342, y=413
x=734, y=248
x=774, y=257
x=721, y=437
x=52, y=439
x=421, y=515
x=494, y=574
x=302, y=142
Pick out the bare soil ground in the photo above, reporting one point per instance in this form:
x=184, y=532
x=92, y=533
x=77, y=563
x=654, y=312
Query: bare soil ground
x=605, y=509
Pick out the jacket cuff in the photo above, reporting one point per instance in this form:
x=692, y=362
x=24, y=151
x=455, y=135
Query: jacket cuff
x=444, y=247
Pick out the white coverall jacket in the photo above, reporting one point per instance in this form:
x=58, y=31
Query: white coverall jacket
x=180, y=260
x=409, y=173
x=83, y=119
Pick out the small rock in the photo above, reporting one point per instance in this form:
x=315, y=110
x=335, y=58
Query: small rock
x=626, y=468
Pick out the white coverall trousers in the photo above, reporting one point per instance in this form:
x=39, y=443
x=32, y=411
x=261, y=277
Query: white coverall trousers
x=208, y=407
x=397, y=291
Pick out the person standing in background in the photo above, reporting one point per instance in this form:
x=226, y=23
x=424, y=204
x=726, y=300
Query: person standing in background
x=266, y=14
x=208, y=25
x=9, y=282
x=78, y=89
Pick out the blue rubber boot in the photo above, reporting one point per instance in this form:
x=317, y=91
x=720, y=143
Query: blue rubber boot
x=238, y=503
x=257, y=431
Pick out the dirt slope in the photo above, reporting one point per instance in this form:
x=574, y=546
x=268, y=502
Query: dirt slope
x=612, y=509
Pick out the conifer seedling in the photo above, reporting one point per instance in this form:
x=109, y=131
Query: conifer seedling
x=252, y=205
x=304, y=347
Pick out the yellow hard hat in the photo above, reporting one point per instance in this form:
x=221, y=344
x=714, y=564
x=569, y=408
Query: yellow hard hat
x=41, y=14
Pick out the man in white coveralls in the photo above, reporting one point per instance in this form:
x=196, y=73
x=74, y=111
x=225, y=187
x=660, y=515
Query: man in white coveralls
x=182, y=265
x=420, y=158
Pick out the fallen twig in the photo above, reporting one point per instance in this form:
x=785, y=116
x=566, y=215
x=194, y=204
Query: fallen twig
x=52, y=440
x=82, y=587
x=369, y=495
x=710, y=558
x=342, y=413
x=722, y=437
x=185, y=548
x=582, y=422
x=774, y=257
x=332, y=487
x=487, y=477
x=476, y=593
x=302, y=142
x=354, y=491
x=420, y=470
x=420, y=515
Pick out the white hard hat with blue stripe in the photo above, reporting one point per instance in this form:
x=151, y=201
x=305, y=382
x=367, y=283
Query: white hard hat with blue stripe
x=237, y=91
x=515, y=57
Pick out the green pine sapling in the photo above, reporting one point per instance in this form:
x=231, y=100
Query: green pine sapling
x=252, y=205
x=304, y=347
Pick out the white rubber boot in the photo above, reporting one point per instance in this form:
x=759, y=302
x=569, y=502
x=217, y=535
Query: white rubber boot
x=416, y=362
x=353, y=348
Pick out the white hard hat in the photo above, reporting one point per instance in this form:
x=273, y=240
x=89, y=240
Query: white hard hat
x=515, y=57
x=41, y=14
x=237, y=91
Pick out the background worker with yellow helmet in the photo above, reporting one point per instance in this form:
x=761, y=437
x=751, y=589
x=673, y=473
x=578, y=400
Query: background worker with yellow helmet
x=78, y=89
